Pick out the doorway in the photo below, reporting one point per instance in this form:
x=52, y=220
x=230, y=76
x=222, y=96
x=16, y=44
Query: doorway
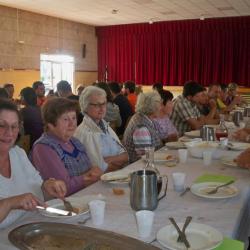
x=54, y=68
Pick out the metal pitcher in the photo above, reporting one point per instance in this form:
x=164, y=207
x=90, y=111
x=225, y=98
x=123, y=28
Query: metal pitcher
x=247, y=112
x=144, y=190
x=207, y=133
x=237, y=117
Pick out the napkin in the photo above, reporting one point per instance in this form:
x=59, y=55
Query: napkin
x=214, y=178
x=230, y=244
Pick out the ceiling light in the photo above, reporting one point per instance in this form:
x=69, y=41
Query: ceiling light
x=202, y=17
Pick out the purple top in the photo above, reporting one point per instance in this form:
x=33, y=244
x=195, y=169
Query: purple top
x=54, y=158
x=165, y=127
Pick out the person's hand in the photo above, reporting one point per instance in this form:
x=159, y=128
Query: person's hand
x=55, y=188
x=92, y=176
x=26, y=201
x=240, y=135
x=95, y=172
x=243, y=160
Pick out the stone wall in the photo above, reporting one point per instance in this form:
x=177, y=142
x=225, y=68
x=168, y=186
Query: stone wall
x=21, y=45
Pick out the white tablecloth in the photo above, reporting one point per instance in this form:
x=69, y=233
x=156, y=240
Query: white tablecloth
x=229, y=216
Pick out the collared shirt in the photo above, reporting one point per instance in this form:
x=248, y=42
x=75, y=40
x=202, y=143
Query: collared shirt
x=99, y=142
x=184, y=110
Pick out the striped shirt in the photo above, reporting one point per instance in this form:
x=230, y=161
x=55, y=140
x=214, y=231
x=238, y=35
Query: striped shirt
x=184, y=110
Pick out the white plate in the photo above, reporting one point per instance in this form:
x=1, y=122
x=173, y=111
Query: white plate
x=193, y=134
x=200, y=237
x=116, y=177
x=78, y=202
x=188, y=139
x=175, y=145
x=228, y=161
x=238, y=146
x=161, y=157
x=201, y=189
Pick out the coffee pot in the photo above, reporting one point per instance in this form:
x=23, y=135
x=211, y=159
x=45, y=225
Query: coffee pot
x=145, y=188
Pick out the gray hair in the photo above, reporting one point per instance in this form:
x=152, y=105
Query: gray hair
x=87, y=93
x=148, y=103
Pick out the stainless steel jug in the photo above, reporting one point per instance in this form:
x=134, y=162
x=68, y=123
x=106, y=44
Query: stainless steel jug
x=237, y=117
x=144, y=189
x=207, y=133
x=247, y=112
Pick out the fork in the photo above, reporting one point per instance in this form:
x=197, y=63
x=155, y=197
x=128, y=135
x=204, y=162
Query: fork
x=215, y=190
x=188, y=220
x=68, y=206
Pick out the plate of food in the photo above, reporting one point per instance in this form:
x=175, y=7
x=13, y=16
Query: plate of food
x=202, y=190
x=175, y=145
x=199, y=236
x=162, y=157
x=193, y=134
x=117, y=177
x=238, y=146
x=229, y=161
x=80, y=206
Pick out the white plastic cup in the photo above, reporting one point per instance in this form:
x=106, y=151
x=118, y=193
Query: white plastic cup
x=179, y=181
x=207, y=158
x=223, y=141
x=183, y=154
x=144, y=220
x=97, y=210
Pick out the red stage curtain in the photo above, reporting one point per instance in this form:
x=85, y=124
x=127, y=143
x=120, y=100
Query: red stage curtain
x=209, y=51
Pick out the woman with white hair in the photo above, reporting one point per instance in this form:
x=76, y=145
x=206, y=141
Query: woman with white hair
x=141, y=132
x=102, y=144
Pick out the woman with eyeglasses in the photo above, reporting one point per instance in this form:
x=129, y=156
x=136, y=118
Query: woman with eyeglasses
x=21, y=187
x=102, y=144
x=57, y=154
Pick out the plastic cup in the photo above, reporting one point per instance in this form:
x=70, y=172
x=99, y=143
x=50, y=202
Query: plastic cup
x=182, y=153
x=207, y=157
x=144, y=220
x=97, y=210
x=223, y=141
x=179, y=181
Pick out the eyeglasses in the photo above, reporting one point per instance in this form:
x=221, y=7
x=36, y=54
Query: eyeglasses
x=98, y=105
x=5, y=127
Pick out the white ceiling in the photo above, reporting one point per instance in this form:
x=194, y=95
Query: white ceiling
x=99, y=12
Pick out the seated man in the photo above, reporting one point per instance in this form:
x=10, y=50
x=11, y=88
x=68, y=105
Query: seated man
x=186, y=115
x=129, y=87
x=233, y=96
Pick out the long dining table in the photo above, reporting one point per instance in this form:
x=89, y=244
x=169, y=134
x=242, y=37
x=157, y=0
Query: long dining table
x=230, y=216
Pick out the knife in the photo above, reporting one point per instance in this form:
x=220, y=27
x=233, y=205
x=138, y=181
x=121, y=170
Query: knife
x=181, y=234
x=56, y=211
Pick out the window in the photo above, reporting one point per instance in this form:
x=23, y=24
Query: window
x=55, y=68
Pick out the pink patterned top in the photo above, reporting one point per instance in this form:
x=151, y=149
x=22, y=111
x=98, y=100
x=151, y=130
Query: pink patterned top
x=164, y=127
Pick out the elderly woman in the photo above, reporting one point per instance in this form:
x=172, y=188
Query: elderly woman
x=21, y=187
x=103, y=146
x=141, y=132
x=163, y=124
x=112, y=111
x=57, y=154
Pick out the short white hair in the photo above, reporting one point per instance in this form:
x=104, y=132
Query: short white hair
x=87, y=93
x=148, y=103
